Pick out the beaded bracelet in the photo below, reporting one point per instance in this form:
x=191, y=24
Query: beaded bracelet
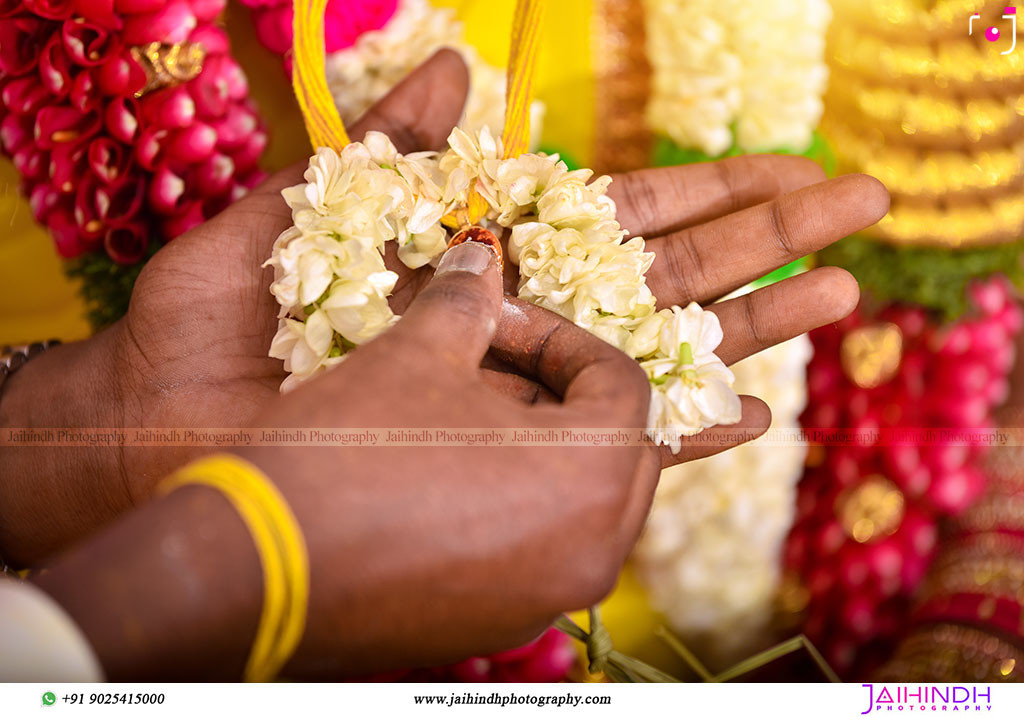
x=13, y=358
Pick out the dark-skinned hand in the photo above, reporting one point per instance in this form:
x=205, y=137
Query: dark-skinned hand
x=192, y=351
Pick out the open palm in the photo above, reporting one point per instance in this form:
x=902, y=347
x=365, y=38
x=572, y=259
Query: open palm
x=194, y=343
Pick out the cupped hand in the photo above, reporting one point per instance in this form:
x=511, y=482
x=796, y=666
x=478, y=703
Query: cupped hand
x=201, y=318
x=420, y=554
x=192, y=351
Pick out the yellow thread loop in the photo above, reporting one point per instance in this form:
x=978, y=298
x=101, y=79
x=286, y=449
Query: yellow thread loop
x=324, y=124
x=522, y=62
x=309, y=78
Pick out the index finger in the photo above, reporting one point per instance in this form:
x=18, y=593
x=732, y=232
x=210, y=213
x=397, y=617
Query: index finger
x=708, y=261
x=652, y=202
x=591, y=375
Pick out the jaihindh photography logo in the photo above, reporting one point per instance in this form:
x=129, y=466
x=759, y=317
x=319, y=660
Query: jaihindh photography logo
x=993, y=34
x=927, y=698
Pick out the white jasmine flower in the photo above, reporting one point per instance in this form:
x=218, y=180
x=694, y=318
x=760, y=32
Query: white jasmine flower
x=644, y=339
x=303, y=346
x=464, y=163
x=421, y=171
x=333, y=285
x=359, y=310
x=511, y=186
x=421, y=249
x=571, y=202
x=721, y=522
x=691, y=389
x=589, y=278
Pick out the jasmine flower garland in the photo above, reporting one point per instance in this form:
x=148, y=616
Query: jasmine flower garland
x=710, y=557
x=573, y=257
x=737, y=73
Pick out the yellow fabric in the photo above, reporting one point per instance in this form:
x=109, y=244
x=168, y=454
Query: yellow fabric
x=309, y=78
x=36, y=301
x=282, y=552
x=564, y=78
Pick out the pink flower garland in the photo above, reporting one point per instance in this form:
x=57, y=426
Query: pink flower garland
x=103, y=169
x=344, y=22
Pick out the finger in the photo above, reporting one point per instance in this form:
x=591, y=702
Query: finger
x=503, y=379
x=455, y=316
x=652, y=202
x=777, y=313
x=755, y=420
x=592, y=376
x=641, y=495
x=417, y=114
x=708, y=261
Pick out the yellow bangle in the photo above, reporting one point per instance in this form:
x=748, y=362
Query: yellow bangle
x=282, y=552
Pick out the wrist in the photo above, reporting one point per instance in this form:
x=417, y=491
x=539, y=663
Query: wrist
x=172, y=591
x=70, y=386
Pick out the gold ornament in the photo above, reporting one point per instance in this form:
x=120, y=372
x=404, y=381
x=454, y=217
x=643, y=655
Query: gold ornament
x=167, y=65
x=935, y=113
x=871, y=355
x=871, y=510
x=957, y=65
x=925, y=117
x=953, y=653
x=990, y=221
x=910, y=173
x=900, y=18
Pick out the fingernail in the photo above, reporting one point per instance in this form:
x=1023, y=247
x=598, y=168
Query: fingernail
x=469, y=256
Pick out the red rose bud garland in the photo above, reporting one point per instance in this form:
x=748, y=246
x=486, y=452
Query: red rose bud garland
x=868, y=507
x=129, y=123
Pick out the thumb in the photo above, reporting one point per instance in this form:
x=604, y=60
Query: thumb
x=456, y=315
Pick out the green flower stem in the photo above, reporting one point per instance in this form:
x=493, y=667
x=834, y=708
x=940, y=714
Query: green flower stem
x=751, y=663
x=618, y=667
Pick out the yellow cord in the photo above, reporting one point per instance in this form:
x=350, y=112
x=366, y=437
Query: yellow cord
x=324, y=124
x=282, y=552
x=522, y=62
x=309, y=78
